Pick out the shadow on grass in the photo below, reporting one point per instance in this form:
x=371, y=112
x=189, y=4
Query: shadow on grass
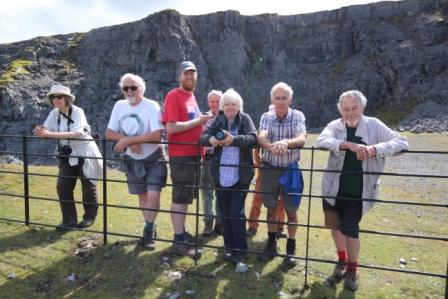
x=117, y=270
x=32, y=237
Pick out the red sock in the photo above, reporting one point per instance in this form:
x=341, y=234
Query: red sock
x=352, y=266
x=342, y=255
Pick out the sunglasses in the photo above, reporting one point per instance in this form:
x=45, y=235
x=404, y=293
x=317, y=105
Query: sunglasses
x=58, y=96
x=126, y=88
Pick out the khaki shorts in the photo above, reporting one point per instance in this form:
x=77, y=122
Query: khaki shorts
x=269, y=183
x=183, y=173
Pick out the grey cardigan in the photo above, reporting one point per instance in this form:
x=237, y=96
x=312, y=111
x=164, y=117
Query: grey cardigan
x=372, y=132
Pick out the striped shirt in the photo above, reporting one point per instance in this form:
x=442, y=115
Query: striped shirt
x=209, y=149
x=278, y=129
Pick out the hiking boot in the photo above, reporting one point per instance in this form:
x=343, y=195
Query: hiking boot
x=338, y=274
x=281, y=234
x=218, y=228
x=289, y=259
x=208, y=228
x=66, y=227
x=269, y=252
x=251, y=232
x=147, y=241
x=351, y=280
x=86, y=223
x=183, y=249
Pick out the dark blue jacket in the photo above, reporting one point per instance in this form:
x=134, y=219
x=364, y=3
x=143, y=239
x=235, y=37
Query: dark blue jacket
x=246, y=140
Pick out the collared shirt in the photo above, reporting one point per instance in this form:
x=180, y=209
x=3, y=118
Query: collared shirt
x=289, y=127
x=209, y=149
x=229, y=175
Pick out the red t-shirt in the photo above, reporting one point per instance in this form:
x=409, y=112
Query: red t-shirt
x=182, y=106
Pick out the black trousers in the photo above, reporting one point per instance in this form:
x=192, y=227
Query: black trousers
x=66, y=185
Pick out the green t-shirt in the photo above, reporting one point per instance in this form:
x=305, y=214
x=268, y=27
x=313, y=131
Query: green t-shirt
x=351, y=183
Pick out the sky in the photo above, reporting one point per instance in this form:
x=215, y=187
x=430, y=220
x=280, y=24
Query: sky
x=26, y=19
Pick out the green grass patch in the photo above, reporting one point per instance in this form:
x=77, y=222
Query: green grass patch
x=47, y=264
x=15, y=68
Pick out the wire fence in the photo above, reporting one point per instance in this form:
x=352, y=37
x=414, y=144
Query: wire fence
x=310, y=195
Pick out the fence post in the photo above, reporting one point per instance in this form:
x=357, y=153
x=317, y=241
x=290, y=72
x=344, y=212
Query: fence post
x=305, y=284
x=104, y=191
x=26, y=187
x=197, y=182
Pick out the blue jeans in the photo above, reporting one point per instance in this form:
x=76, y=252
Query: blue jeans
x=231, y=204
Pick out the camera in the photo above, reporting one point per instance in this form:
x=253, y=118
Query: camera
x=220, y=135
x=64, y=151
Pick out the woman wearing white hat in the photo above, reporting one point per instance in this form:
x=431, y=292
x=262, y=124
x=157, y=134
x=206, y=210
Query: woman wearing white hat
x=77, y=158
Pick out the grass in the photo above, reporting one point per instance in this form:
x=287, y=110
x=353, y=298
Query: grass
x=42, y=259
x=15, y=68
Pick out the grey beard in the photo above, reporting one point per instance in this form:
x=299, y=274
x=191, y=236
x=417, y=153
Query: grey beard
x=131, y=100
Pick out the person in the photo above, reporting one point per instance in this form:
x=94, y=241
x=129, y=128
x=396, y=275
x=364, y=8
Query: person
x=135, y=125
x=184, y=124
x=77, y=158
x=357, y=144
x=255, y=208
x=213, y=99
x=232, y=148
x=281, y=133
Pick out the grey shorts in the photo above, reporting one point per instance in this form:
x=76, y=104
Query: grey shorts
x=183, y=174
x=269, y=183
x=153, y=179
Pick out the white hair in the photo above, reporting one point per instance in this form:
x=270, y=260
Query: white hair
x=284, y=86
x=352, y=94
x=214, y=92
x=137, y=79
x=231, y=96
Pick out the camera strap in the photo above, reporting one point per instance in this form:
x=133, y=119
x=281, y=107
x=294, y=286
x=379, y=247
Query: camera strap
x=69, y=121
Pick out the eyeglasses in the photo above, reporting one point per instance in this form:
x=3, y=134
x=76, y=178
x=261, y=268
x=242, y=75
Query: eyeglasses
x=57, y=96
x=126, y=88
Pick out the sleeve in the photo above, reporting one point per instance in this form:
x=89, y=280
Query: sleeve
x=155, y=123
x=171, y=113
x=208, y=133
x=391, y=142
x=301, y=128
x=327, y=139
x=114, y=124
x=79, y=121
x=50, y=124
x=264, y=122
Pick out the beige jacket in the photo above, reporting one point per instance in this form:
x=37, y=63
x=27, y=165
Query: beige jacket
x=373, y=132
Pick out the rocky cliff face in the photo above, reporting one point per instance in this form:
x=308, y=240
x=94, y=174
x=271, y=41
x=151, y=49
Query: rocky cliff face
x=395, y=52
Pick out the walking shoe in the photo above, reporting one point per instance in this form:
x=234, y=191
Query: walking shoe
x=183, y=249
x=351, y=280
x=228, y=255
x=208, y=228
x=218, y=228
x=289, y=259
x=337, y=275
x=269, y=252
x=281, y=234
x=147, y=241
x=251, y=232
x=86, y=223
x=66, y=227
